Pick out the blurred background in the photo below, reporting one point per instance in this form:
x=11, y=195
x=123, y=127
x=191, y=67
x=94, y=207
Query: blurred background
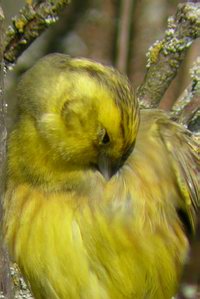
x=114, y=32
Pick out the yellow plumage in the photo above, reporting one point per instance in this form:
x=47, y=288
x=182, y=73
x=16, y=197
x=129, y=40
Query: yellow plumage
x=97, y=202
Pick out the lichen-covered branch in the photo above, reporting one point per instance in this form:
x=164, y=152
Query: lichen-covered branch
x=165, y=56
x=32, y=20
x=187, y=106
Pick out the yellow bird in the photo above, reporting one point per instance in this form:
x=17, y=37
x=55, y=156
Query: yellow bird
x=99, y=195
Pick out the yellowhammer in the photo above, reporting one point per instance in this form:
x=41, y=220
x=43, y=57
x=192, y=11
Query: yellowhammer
x=99, y=195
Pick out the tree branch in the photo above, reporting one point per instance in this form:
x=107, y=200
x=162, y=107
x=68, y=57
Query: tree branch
x=165, y=56
x=126, y=7
x=189, y=102
x=32, y=20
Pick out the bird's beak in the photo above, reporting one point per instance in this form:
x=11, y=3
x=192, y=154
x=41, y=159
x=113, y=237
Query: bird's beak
x=108, y=167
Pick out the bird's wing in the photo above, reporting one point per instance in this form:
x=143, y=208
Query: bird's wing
x=184, y=152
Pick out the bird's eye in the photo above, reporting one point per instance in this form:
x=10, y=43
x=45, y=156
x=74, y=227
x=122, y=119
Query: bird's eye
x=105, y=138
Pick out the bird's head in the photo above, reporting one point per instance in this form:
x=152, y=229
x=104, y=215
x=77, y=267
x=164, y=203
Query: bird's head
x=86, y=113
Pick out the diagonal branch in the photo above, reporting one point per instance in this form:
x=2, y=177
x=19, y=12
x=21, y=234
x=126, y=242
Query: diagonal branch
x=32, y=20
x=188, y=104
x=165, y=56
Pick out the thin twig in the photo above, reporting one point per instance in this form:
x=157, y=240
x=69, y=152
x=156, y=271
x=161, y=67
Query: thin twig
x=32, y=20
x=190, y=110
x=194, y=123
x=124, y=34
x=189, y=102
x=165, y=56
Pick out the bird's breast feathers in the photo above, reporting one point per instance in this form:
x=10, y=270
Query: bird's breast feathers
x=70, y=248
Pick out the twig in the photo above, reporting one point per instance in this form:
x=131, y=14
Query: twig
x=124, y=34
x=194, y=124
x=190, y=110
x=189, y=102
x=165, y=56
x=32, y=20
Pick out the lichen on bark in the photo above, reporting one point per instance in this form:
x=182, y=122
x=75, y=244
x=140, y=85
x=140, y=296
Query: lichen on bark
x=165, y=57
x=32, y=20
